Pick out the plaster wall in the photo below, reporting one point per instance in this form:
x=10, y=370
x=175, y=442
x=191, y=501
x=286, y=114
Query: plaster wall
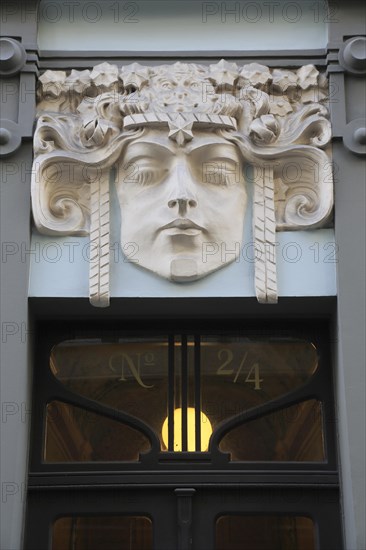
x=143, y=25
x=306, y=266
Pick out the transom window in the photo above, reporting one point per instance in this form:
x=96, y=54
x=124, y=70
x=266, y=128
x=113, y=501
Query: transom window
x=188, y=392
x=241, y=397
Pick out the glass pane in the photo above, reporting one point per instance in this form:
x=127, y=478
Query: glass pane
x=236, y=532
x=239, y=373
x=292, y=434
x=76, y=435
x=102, y=533
x=130, y=376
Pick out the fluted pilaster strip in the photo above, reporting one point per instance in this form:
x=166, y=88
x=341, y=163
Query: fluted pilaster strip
x=99, y=242
x=265, y=237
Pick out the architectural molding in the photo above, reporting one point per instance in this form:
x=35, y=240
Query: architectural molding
x=352, y=55
x=18, y=109
x=348, y=62
x=348, y=106
x=277, y=120
x=17, y=69
x=354, y=137
x=10, y=137
x=13, y=56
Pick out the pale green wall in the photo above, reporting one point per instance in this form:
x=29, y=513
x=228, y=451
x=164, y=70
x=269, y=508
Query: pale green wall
x=176, y=25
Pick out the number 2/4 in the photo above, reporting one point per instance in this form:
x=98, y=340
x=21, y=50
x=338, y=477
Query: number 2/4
x=227, y=356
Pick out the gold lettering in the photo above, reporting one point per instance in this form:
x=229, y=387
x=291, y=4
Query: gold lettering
x=227, y=356
x=127, y=362
x=225, y=352
x=240, y=366
x=254, y=377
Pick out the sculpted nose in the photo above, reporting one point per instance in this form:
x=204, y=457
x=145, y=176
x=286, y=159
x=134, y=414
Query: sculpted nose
x=182, y=202
x=182, y=194
x=181, y=92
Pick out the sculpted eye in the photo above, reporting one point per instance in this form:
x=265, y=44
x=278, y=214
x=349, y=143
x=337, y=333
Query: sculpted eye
x=167, y=85
x=147, y=176
x=216, y=178
x=222, y=172
x=143, y=174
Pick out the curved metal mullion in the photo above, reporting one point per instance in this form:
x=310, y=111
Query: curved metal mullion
x=114, y=414
x=292, y=398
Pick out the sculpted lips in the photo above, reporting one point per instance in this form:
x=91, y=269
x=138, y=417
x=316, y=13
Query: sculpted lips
x=183, y=225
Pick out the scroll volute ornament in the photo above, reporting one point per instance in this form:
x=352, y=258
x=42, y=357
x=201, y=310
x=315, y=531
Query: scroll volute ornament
x=180, y=138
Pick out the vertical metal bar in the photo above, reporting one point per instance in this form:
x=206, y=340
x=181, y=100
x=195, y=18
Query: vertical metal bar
x=184, y=392
x=171, y=394
x=197, y=390
x=184, y=518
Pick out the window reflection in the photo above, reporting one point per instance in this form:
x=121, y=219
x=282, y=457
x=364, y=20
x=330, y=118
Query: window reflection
x=235, y=532
x=292, y=434
x=129, y=376
x=76, y=435
x=102, y=533
x=239, y=374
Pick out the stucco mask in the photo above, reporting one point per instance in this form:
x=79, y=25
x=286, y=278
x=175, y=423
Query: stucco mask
x=178, y=138
x=178, y=204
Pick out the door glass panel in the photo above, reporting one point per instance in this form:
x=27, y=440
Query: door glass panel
x=239, y=532
x=102, y=533
x=239, y=374
x=293, y=434
x=75, y=435
x=130, y=376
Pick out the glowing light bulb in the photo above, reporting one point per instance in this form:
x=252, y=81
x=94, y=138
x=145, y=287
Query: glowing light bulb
x=206, y=430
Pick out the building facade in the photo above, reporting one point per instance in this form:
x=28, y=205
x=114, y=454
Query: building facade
x=214, y=394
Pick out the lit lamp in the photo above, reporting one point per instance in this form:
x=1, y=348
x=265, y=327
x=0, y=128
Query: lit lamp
x=206, y=430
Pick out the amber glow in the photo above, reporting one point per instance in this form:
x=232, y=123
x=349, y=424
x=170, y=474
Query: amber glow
x=206, y=430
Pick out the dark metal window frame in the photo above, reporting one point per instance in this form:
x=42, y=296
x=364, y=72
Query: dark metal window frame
x=47, y=388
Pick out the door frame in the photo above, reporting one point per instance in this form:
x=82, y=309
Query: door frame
x=53, y=484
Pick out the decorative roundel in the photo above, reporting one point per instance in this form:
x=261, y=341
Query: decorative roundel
x=12, y=56
x=352, y=55
x=10, y=137
x=355, y=136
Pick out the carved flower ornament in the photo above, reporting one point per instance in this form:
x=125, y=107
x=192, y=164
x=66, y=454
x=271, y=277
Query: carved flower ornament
x=170, y=120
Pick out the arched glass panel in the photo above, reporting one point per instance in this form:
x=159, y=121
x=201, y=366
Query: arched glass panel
x=130, y=376
x=75, y=435
x=291, y=434
x=239, y=374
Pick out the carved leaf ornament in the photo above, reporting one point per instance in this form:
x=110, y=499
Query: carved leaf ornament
x=278, y=119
